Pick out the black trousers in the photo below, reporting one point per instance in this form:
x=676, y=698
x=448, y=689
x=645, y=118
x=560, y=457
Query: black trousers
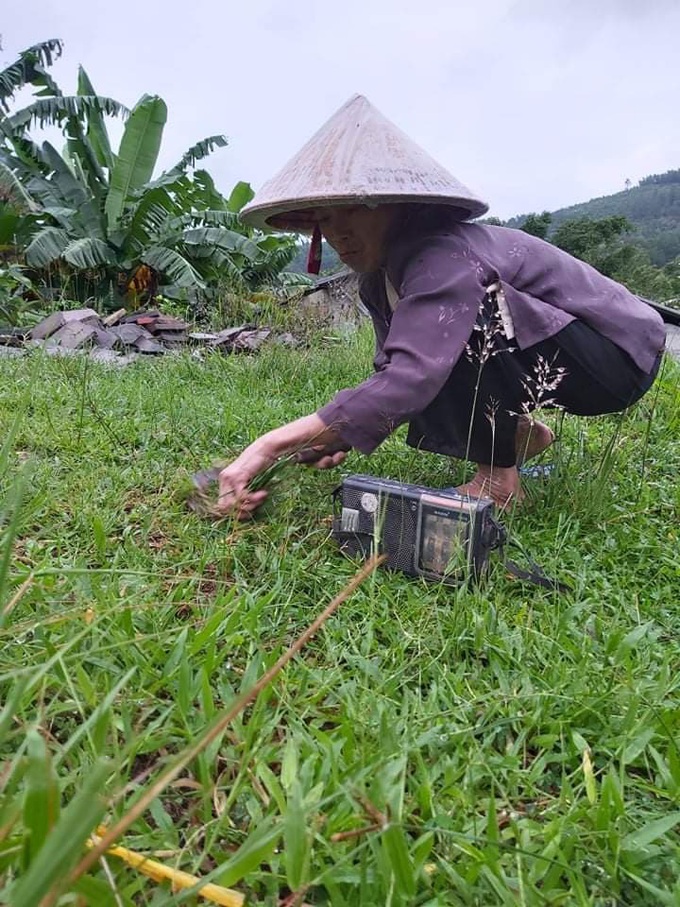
x=475, y=415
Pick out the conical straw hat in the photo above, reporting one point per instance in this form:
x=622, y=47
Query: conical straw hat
x=357, y=157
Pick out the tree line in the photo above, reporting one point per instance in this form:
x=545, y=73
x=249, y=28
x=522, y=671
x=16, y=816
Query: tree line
x=605, y=244
x=652, y=209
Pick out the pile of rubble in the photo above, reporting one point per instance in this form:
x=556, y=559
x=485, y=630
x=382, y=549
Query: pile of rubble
x=121, y=337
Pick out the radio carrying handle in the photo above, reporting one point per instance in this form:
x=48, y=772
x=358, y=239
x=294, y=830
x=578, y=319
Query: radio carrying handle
x=535, y=574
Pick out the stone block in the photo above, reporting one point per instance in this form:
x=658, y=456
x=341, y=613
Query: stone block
x=107, y=340
x=50, y=325
x=148, y=345
x=128, y=334
x=74, y=335
x=140, y=315
x=228, y=335
x=250, y=340
x=167, y=323
x=174, y=337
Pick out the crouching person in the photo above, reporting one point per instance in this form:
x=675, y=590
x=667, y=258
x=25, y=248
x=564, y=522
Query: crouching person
x=476, y=326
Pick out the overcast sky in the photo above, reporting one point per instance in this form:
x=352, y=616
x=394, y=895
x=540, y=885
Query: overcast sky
x=534, y=104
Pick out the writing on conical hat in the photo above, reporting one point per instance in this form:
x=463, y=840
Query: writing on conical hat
x=358, y=156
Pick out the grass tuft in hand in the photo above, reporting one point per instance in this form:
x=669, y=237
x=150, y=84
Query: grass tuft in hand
x=200, y=492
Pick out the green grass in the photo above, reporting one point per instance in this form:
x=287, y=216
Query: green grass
x=513, y=746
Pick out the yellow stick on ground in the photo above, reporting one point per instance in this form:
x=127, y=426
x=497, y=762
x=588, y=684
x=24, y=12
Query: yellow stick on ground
x=225, y=897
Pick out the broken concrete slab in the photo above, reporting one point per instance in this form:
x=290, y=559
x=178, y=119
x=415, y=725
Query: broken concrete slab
x=11, y=352
x=128, y=334
x=148, y=345
x=673, y=340
x=57, y=320
x=107, y=340
x=142, y=331
x=170, y=336
x=250, y=340
x=166, y=323
x=202, y=337
x=74, y=335
x=134, y=317
x=145, y=322
x=227, y=336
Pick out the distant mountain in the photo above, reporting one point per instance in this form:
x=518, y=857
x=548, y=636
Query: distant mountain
x=653, y=207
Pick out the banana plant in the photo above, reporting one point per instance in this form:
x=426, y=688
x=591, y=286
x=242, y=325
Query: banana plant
x=98, y=212
x=21, y=159
x=137, y=221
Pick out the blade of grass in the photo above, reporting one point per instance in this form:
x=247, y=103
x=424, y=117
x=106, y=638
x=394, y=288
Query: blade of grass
x=217, y=728
x=256, y=849
x=41, y=796
x=12, y=514
x=296, y=839
x=47, y=872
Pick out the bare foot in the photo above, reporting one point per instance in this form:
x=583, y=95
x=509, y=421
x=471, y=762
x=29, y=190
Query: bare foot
x=531, y=438
x=501, y=484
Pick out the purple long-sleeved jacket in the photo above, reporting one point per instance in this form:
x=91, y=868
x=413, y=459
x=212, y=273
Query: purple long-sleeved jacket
x=441, y=273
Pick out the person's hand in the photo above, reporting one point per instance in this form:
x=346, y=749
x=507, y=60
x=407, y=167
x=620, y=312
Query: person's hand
x=322, y=456
x=308, y=437
x=234, y=498
x=330, y=460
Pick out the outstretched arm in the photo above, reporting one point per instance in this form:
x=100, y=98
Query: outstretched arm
x=303, y=435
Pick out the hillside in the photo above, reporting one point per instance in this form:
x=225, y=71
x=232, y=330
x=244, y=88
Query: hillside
x=653, y=207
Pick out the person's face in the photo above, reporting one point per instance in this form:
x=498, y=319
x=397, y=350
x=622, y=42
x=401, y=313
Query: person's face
x=357, y=233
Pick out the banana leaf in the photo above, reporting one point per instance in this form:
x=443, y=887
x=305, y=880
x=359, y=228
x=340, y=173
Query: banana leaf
x=51, y=111
x=222, y=238
x=97, y=134
x=174, y=266
x=65, y=191
x=89, y=252
x=199, y=151
x=152, y=216
x=137, y=155
x=46, y=247
x=25, y=69
x=71, y=192
x=13, y=192
x=241, y=194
